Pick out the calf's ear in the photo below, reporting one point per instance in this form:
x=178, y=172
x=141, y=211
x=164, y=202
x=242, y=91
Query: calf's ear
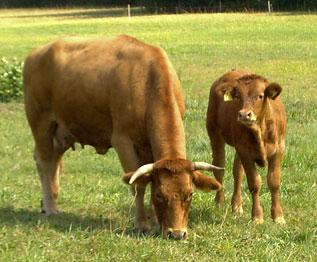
x=205, y=183
x=273, y=90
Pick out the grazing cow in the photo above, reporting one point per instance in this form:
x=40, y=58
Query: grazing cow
x=119, y=93
x=245, y=112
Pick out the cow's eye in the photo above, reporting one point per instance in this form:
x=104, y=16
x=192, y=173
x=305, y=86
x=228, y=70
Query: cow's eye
x=159, y=196
x=260, y=97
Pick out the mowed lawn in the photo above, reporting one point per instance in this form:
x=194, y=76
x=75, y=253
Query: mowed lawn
x=97, y=219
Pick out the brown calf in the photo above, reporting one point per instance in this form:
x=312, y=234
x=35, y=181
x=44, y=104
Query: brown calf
x=245, y=112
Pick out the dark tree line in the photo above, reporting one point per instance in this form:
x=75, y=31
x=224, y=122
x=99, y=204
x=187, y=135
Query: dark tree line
x=231, y=5
x=60, y=3
x=175, y=5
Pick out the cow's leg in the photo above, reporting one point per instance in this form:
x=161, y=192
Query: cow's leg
x=49, y=171
x=141, y=223
x=152, y=214
x=236, y=201
x=254, y=185
x=218, y=155
x=130, y=162
x=146, y=157
x=273, y=180
x=48, y=160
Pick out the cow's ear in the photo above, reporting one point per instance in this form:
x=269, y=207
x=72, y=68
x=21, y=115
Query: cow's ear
x=205, y=183
x=273, y=90
x=143, y=180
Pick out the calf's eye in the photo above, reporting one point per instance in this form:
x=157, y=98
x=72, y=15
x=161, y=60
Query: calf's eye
x=260, y=97
x=189, y=197
x=236, y=96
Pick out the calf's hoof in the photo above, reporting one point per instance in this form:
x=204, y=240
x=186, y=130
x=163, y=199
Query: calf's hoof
x=237, y=210
x=258, y=220
x=279, y=220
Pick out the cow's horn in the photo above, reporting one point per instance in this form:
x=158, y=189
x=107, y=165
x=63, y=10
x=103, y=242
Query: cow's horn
x=205, y=166
x=145, y=169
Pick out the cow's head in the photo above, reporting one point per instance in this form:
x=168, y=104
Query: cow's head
x=251, y=94
x=172, y=187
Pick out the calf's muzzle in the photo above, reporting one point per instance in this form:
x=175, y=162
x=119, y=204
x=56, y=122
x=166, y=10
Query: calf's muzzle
x=246, y=117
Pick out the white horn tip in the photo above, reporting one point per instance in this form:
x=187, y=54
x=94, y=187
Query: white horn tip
x=145, y=169
x=206, y=166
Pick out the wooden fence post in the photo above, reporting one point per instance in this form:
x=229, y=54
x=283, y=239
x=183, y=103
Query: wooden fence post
x=269, y=6
x=129, y=11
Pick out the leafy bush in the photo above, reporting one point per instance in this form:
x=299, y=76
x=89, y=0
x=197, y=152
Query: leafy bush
x=10, y=80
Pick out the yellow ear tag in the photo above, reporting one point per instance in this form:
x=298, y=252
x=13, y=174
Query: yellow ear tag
x=227, y=96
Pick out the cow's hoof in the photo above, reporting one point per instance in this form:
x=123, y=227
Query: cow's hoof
x=220, y=198
x=142, y=228
x=153, y=220
x=142, y=231
x=279, y=220
x=48, y=211
x=258, y=221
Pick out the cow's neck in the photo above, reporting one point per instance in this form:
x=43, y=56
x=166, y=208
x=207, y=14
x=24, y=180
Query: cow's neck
x=165, y=128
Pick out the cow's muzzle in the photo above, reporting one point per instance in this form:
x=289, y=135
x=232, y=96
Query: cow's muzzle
x=246, y=117
x=177, y=234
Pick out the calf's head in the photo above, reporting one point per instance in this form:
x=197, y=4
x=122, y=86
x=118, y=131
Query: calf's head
x=251, y=94
x=172, y=187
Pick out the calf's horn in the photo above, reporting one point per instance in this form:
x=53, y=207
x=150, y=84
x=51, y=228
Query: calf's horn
x=145, y=169
x=205, y=166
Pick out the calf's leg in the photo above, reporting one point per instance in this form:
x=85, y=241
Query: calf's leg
x=273, y=180
x=236, y=201
x=218, y=155
x=254, y=185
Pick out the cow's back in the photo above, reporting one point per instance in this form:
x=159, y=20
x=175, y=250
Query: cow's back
x=93, y=87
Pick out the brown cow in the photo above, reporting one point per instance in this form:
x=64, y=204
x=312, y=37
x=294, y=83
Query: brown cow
x=245, y=112
x=120, y=93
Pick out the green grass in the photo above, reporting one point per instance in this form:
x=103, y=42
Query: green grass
x=97, y=219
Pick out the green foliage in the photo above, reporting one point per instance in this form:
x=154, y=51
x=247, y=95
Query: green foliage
x=10, y=80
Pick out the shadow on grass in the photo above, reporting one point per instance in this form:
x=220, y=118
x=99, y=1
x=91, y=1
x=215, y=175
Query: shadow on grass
x=70, y=222
x=10, y=216
x=66, y=222
x=84, y=14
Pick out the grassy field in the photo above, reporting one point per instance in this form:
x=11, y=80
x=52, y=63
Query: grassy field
x=97, y=219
